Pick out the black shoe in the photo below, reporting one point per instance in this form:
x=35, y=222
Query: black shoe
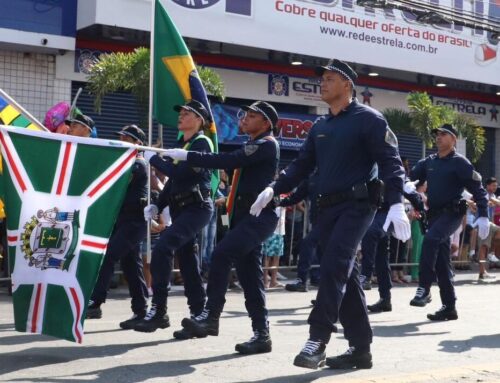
x=184, y=334
x=155, y=318
x=444, y=313
x=313, y=302
x=129, y=324
x=312, y=355
x=350, y=359
x=202, y=325
x=366, y=283
x=258, y=344
x=94, y=310
x=298, y=285
x=421, y=298
x=380, y=306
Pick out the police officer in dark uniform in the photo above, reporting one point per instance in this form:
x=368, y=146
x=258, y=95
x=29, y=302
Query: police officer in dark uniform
x=447, y=174
x=375, y=250
x=255, y=165
x=346, y=146
x=309, y=245
x=187, y=193
x=124, y=244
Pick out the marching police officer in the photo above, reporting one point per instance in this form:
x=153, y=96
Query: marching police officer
x=309, y=245
x=446, y=173
x=346, y=146
x=375, y=249
x=187, y=193
x=124, y=243
x=255, y=165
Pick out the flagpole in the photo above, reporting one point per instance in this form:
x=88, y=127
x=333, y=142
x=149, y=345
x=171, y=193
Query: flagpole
x=150, y=117
x=23, y=111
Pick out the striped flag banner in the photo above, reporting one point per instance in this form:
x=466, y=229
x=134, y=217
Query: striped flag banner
x=62, y=197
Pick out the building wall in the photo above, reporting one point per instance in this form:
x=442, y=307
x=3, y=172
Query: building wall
x=497, y=153
x=30, y=79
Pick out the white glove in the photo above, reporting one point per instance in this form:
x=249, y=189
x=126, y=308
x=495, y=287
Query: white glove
x=410, y=187
x=483, y=227
x=401, y=225
x=148, y=154
x=150, y=211
x=176, y=154
x=262, y=200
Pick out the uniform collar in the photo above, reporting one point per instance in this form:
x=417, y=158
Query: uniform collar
x=448, y=156
x=181, y=139
x=347, y=109
x=262, y=135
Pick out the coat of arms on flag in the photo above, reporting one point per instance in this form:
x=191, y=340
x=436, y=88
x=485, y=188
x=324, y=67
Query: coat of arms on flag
x=62, y=196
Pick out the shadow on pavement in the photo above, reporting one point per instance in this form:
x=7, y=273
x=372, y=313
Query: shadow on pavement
x=480, y=341
x=136, y=372
x=407, y=329
x=45, y=356
x=307, y=377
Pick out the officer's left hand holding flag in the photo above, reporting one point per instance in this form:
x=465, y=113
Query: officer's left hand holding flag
x=400, y=222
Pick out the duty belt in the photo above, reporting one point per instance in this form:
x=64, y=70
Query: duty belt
x=456, y=207
x=245, y=201
x=188, y=198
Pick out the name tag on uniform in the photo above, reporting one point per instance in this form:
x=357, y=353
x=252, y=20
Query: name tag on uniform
x=225, y=220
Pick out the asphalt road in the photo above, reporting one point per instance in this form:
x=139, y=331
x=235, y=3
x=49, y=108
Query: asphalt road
x=407, y=347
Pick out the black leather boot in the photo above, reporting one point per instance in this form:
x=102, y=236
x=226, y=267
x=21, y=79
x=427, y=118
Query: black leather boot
x=259, y=343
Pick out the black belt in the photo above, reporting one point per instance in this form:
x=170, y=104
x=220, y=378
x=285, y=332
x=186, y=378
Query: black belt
x=327, y=200
x=456, y=207
x=188, y=198
x=245, y=201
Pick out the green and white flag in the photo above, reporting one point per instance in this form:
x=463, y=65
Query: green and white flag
x=62, y=197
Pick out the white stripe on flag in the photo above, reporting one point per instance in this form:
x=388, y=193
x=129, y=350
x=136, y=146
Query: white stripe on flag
x=76, y=302
x=19, y=177
x=13, y=238
x=64, y=169
x=37, y=309
x=94, y=244
x=108, y=178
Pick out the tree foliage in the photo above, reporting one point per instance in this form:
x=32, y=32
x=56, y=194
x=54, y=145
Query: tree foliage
x=129, y=72
x=399, y=120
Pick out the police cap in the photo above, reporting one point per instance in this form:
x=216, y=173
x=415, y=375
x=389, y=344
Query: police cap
x=133, y=131
x=83, y=120
x=264, y=108
x=338, y=66
x=197, y=108
x=446, y=128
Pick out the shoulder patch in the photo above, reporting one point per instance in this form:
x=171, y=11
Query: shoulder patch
x=250, y=149
x=390, y=138
x=476, y=176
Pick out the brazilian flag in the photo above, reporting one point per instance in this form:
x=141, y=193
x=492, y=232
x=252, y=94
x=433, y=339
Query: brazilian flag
x=176, y=79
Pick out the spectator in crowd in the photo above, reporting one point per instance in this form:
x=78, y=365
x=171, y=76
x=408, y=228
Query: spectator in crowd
x=272, y=249
x=491, y=244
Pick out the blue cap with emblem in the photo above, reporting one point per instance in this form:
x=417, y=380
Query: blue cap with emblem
x=197, y=108
x=264, y=108
x=133, y=131
x=338, y=66
x=446, y=128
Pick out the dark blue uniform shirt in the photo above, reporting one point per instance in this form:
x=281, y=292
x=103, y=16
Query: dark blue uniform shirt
x=183, y=177
x=137, y=190
x=446, y=178
x=346, y=148
x=258, y=159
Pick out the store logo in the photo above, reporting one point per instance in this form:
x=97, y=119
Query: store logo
x=277, y=85
x=196, y=4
